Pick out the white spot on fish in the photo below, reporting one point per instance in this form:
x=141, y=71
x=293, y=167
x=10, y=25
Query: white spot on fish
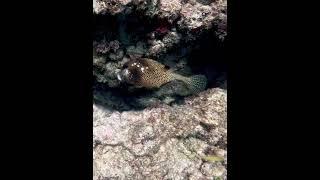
x=126, y=72
x=138, y=66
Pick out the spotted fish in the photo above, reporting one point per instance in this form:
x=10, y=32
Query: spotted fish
x=148, y=73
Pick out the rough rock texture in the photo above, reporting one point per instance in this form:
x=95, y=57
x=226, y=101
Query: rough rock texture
x=159, y=134
x=169, y=9
x=109, y=6
x=163, y=142
x=165, y=30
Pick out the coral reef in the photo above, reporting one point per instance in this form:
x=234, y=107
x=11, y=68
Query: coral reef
x=154, y=28
x=110, y=6
x=163, y=142
x=164, y=133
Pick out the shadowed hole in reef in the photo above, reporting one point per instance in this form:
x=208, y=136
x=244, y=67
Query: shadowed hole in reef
x=105, y=26
x=208, y=58
x=127, y=28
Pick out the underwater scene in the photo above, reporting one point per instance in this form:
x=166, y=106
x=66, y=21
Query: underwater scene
x=160, y=89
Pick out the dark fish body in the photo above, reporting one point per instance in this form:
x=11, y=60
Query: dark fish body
x=149, y=73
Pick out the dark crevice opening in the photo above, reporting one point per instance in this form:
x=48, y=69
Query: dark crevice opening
x=208, y=58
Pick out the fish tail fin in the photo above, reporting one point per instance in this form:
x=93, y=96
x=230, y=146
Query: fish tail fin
x=195, y=83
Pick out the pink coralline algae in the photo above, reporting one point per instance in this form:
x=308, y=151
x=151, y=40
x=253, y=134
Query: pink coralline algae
x=162, y=30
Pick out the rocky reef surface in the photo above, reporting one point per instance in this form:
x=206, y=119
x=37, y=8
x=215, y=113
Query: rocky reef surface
x=160, y=134
x=163, y=142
